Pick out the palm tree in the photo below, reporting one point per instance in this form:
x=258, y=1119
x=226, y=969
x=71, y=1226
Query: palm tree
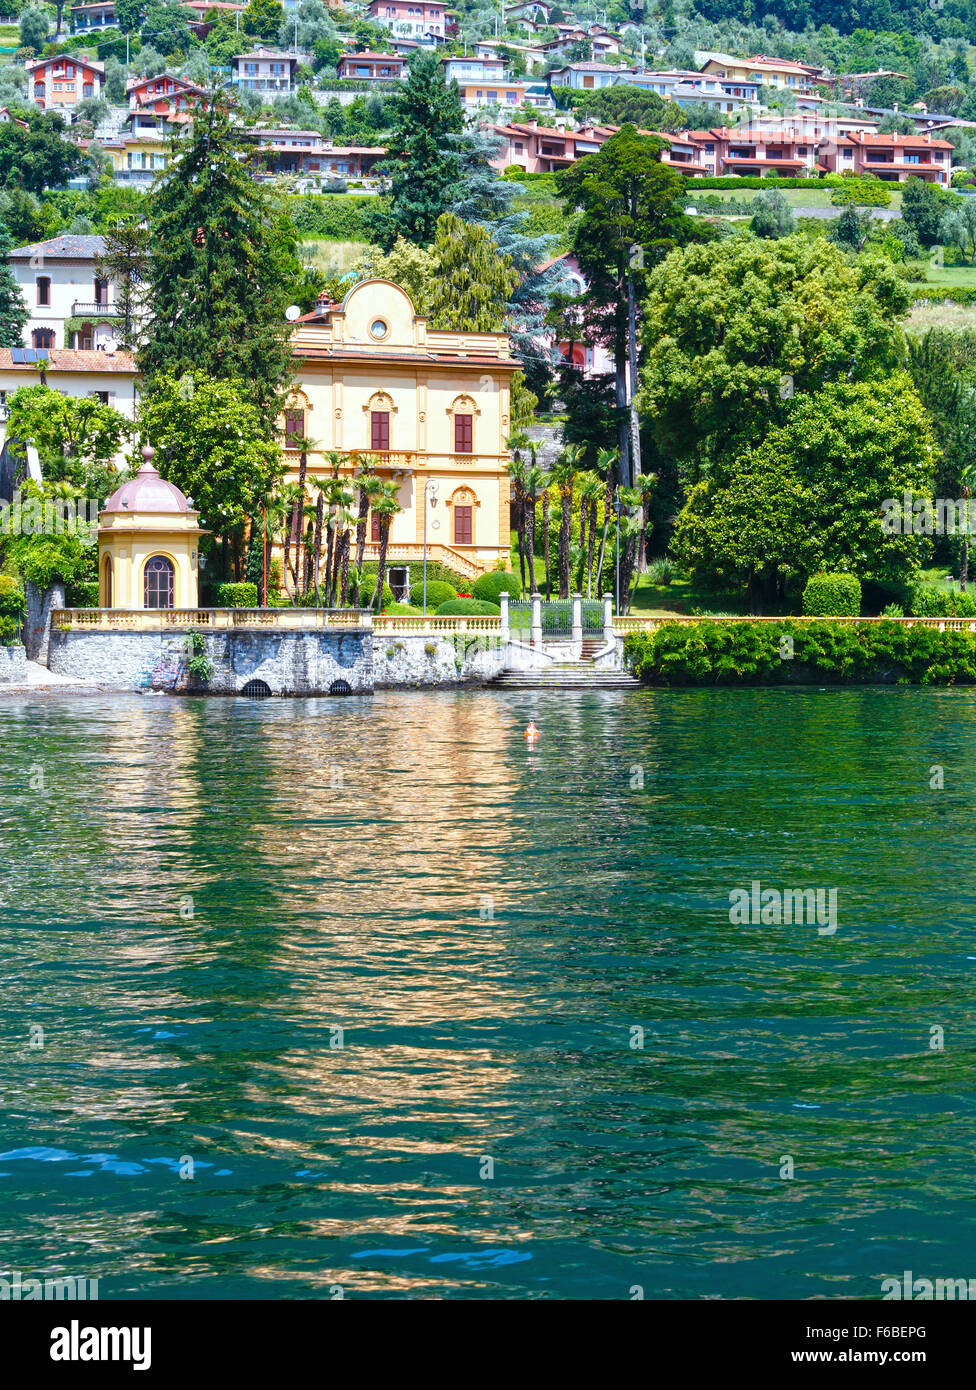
x=339, y=583
x=564, y=475
x=385, y=506
x=545, y=536
x=967, y=479
x=369, y=484
x=286, y=504
x=645, y=486
x=631, y=529
x=535, y=481
x=591, y=490
x=606, y=465
x=516, y=471
x=297, y=536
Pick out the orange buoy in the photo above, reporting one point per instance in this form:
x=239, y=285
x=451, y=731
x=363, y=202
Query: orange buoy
x=531, y=733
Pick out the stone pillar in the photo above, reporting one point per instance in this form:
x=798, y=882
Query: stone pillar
x=577, y=620
x=38, y=603
x=503, y=601
x=607, y=619
x=537, y=621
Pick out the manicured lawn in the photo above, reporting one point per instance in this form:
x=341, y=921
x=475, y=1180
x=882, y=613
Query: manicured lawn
x=950, y=275
x=926, y=316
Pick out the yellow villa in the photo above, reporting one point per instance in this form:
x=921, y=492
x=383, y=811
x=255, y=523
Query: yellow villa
x=431, y=406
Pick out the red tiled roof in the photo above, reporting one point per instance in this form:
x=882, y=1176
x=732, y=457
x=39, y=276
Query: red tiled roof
x=72, y=360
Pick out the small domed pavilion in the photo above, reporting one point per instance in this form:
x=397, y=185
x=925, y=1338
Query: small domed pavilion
x=148, y=535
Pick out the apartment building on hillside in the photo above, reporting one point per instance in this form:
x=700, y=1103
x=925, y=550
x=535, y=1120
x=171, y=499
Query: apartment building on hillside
x=893, y=158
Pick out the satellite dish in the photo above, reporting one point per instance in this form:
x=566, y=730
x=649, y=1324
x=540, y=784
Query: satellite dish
x=292, y=313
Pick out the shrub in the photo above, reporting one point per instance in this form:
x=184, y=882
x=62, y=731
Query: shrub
x=929, y=601
x=468, y=607
x=367, y=589
x=662, y=571
x=893, y=610
x=11, y=610
x=83, y=593
x=401, y=610
x=490, y=587
x=237, y=595
x=832, y=596
x=751, y=653
x=438, y=592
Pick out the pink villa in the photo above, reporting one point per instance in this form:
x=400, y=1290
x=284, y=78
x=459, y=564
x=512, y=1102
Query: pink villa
x=425, y=18
x=372, y=67
x=893, y=158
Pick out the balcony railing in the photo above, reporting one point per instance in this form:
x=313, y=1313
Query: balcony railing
x=155, y=619
x=88, y=309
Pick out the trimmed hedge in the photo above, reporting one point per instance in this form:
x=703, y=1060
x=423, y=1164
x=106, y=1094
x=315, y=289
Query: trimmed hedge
x=237, y=595
x=934, y=294
x=468, y=607
x=788, y=652
x=437, y=593
x=832, y=596
x=491, y=586
x=367, y=589
x=753, y=181
x=929, y=601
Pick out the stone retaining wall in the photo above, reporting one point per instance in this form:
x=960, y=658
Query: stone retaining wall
x=434, y=659
x=289, y=663
x=13, y=666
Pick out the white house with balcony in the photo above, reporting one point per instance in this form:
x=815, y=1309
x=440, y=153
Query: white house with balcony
x=268, y=70
x=69, y=305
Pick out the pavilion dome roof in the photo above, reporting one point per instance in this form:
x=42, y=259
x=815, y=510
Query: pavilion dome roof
x=148, y=492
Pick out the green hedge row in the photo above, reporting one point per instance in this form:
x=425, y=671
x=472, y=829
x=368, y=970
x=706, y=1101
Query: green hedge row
x=753, y=181
x=237, y=595
x=787, y=652
x=959, y=294
x=929, y=601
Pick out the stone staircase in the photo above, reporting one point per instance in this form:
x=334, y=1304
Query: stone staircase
x=569, y=675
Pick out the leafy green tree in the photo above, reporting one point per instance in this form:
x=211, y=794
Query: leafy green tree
x=115, y=81
x=222, y=266
x=423, y=173
x=314, y=26
x=632, y=216
x=165, y=27
x=13, y=310
x=263, y=19
x=77, y=437
x=738, y=329
x=772, y=215
x=38, y=157
x=958, y=227
x=128, y=14
x=922, y=206
x=212, y=442
x=851, y=229
x=810, y=497
x=34, y=25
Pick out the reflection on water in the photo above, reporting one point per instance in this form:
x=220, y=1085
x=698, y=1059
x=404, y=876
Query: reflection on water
x=376, y=968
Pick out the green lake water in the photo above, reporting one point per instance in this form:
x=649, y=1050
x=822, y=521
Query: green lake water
x=197, y=895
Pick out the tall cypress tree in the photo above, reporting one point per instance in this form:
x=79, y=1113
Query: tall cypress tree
x=13, y=309
x=222, y=267
x=423, y=172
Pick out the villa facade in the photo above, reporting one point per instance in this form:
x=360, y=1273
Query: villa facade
x=430, y=406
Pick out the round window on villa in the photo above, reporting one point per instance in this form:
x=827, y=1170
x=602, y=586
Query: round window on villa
x=378, y=328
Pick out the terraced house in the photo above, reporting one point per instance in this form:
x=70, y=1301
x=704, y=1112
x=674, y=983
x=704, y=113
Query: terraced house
x=430, y=406
x=63, y=81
